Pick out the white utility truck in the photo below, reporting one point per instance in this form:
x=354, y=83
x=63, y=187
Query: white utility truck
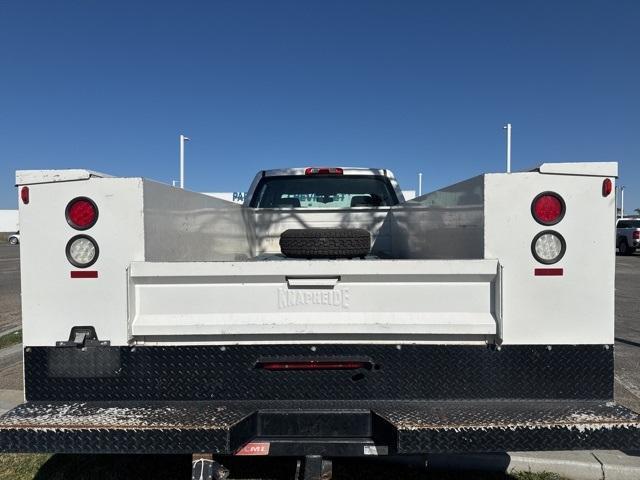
x=476, y=318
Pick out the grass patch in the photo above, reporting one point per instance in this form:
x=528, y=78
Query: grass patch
x=94, y=467
x=21, y=466
x=536, y=476
x=11, y=339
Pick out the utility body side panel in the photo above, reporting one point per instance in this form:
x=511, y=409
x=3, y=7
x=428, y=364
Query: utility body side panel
x=52, y=301
x=576, y=307
x=180, y=225
x=445, y=224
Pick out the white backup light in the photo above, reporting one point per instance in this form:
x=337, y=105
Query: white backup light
x=548, y=247
x=82, y=251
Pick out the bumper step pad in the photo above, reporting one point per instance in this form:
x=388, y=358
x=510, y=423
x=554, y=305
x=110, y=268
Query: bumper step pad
x=318, y=428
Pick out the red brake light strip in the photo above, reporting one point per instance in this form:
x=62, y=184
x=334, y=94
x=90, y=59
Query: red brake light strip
x=323, y=171
x=548, y=272
x=311, y=365
x=84, y=274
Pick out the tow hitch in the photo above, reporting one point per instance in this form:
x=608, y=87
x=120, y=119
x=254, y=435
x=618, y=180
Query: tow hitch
x=312, y=467
x=204, y=467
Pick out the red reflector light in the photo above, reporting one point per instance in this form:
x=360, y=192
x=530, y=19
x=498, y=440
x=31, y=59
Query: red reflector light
x=607, y=186
x=312, y=365
x=24, y=195
x=81, y=213
x=636, y=235
x=323, y=171
x=548, y=208
x=548, y=272
x=84, y=274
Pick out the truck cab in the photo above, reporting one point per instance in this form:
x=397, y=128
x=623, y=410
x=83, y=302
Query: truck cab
x=324, y=188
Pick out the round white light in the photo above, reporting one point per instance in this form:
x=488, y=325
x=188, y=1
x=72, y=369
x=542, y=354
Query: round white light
x=82, y=251
x=548, y=247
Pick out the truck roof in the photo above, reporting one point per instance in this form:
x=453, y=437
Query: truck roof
x=345, y=171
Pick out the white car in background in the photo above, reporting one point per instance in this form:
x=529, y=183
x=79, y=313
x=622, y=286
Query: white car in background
x=14, y=238
x=628, y=235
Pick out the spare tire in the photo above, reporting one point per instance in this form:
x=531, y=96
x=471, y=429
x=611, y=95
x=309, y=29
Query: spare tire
x=325, y=243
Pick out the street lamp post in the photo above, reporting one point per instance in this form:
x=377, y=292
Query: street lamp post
x=182, y=140
x=507, y=127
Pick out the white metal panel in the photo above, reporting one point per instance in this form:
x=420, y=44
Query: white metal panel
x=52, y=302
x=447, y=223
x=386, y=297
x=597, y=169
x=180, y=225
x=577, y=307
x=28, y=177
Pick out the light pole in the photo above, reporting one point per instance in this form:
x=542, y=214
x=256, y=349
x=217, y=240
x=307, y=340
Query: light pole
x=182, y=140
x=622, y=202
x=420, y=184
x=507, y=127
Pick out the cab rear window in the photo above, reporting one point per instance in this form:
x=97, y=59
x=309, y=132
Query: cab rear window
x=326, y=191
x=629, y=224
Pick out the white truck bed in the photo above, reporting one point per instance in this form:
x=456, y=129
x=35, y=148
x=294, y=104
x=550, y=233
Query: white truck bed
x=453, y=266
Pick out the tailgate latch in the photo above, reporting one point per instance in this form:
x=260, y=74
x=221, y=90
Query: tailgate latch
x=83, y=337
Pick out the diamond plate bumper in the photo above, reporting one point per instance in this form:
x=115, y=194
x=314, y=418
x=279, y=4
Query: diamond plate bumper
x=321, y=428
x=414, y=399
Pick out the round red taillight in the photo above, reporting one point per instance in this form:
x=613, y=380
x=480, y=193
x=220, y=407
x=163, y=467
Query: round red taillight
x=82, y=213
x=607, y=186
x=548, y=208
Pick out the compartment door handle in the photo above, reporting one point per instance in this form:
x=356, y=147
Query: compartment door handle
x=307, y=282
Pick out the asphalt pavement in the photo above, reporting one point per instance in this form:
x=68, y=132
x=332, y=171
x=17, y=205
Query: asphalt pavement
x=627, y=332
x=9, y=287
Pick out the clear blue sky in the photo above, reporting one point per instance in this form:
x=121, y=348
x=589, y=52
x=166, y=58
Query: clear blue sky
x=412, y=86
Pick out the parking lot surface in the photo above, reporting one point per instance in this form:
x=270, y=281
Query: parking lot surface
x=627, y=332
x=9, y=287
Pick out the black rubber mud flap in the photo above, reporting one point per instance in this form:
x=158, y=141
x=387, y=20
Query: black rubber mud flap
x=325, y=243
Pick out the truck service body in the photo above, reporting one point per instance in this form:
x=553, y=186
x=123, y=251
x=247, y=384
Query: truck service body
x=189, y=331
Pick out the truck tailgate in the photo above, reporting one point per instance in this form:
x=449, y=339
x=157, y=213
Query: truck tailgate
x=364, y=297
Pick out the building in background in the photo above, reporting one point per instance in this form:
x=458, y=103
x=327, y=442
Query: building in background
x=238, y=197
x=8, y=221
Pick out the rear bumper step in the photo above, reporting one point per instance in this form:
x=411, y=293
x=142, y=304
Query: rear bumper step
x=294, y=428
